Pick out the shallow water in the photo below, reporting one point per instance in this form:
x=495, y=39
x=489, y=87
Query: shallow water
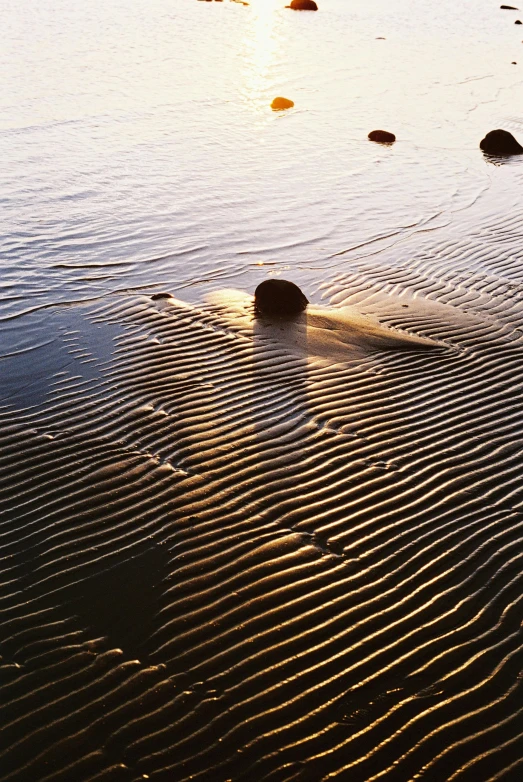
x=139, y=149
x=241, y=550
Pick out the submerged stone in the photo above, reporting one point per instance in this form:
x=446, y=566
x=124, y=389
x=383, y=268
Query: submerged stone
x=279, y=297
x=382, y=136
x=279, y=104
x=500, y=142
x=303, y=5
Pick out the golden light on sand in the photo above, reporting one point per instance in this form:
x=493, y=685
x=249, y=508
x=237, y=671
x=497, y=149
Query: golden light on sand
x=259, y=48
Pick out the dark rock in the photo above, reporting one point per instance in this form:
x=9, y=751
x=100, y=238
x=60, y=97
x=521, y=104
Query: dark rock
x=279, y=297
x=382, y=136
x=500, y=142
x=279, y=104
x=303, y=5
x=509, y=8
x=161, y=295
x=518, y=21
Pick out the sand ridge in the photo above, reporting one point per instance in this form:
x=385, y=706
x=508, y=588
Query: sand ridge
x=340, y=334
x=227, y=559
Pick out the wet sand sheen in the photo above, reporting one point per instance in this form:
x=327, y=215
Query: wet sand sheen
x=332, y=334
x=231, y=553
x=235, y=548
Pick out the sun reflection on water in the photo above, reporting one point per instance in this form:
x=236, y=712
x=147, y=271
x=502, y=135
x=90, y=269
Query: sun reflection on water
x=259, y=48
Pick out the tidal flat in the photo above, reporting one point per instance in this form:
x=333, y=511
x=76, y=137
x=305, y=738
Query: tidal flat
x=243, y=547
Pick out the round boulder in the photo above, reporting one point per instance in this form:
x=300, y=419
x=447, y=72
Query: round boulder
x=279, y=297
x=279, y=104
x=500, y=142
x=382, y=136
x=303, y=5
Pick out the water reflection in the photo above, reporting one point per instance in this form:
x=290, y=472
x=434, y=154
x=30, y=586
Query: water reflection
x=259, y=47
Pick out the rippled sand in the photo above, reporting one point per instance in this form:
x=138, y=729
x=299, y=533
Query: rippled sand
x=227, y=556
x=235, y=548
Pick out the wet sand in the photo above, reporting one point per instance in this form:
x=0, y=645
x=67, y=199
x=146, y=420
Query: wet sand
x=227, y=556
x=235, y=548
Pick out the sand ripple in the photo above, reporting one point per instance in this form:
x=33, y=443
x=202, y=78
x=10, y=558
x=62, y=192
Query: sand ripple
x=236, y=551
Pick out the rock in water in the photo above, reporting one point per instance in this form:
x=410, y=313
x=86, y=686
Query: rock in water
x=500, y=142
x=279, y=297
x=383, y=136
x=303, y=5
x=279, y=104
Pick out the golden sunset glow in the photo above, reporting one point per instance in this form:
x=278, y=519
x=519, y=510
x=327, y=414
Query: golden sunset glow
x=259, y=48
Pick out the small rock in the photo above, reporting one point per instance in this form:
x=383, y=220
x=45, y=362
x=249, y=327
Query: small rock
x=279, y=297
x=382, y=136
x=518, y=21
x=162, y=295
x=509, y=8
x=500, y=142
x=279, y=104
x=303, y=5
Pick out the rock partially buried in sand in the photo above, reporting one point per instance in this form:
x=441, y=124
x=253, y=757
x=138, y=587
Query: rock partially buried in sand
x=279, y=297
x=382, y=136
x=500, y=142
x=279, y=104
x=162, y=295
x=303, y=5
x=308, y=331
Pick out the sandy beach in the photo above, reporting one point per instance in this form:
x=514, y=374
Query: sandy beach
x=241, y=548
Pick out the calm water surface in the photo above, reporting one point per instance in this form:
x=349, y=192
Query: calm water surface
x=140, y=152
